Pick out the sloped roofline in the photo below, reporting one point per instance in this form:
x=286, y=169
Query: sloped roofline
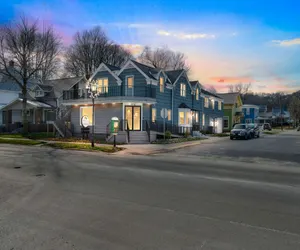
x=119, y=81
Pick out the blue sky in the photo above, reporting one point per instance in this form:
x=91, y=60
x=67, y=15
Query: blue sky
x=226, y=41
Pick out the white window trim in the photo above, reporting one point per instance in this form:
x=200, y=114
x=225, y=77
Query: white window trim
x=197, y=94
x=181, y=90
x=126, y=85
x=227, y=120
x=219, y=105
x=186, y=113
x=206, y=104
x=80, y=112
x=104, y=89
x=163, y=84
x=203, y=120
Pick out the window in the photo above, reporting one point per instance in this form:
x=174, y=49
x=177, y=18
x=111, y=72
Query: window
x=182, y=89
x=184, y=117
x=206, y=102
x=203, y=119
x=88, y=111
x=129, y=86
x=196, y=117
x=219, y=105
x=247, y=111
x=197, y=94
x=213, y=104
x=161, y=84
x=225, y=122
x=39, y=93
x=181, y=118
x=153, y=114
x=169, y=114
x=102, y=85
x=249, y=120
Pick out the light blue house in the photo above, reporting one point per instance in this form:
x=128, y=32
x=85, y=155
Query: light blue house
x=137, y=94
x=251, y=113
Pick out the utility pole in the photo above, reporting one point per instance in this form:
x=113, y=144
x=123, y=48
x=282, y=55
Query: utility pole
x=281, y=122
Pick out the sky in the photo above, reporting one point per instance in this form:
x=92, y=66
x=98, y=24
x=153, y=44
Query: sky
x=225, y=41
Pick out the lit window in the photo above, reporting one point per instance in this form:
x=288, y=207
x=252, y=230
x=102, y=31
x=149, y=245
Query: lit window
x=102, y=85
x=203, y=119
x=197, y=94
x=181, y=118
x=182, y=89
x=213, y=104
x=86, y=111
x=169, y=114
x=206, y=102
x=161, y=84
x=220, y=105
x=196, y=117
x=153, y=114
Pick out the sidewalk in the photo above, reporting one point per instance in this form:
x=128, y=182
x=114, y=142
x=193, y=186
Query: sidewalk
x=150, y=149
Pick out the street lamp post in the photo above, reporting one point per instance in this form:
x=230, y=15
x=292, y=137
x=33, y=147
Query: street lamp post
x=92, y=88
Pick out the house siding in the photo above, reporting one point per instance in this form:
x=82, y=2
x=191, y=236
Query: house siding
x=103, y=115
x=163, y=100
x=188, y=99
x=112, y=81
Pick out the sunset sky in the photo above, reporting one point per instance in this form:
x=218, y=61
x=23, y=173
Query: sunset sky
x=225, y=41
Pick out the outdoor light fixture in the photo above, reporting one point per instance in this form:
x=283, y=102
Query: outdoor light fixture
x=92, y=88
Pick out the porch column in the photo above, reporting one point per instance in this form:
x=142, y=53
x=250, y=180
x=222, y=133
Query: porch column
x=34, y=118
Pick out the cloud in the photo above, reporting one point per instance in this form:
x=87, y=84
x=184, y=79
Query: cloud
x=135, y=49
x=232, y=79
x=185, y=36
x=287, y=43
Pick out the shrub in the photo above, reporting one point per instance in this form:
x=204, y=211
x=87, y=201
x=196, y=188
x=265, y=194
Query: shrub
x=168, y=134
x=186, y=134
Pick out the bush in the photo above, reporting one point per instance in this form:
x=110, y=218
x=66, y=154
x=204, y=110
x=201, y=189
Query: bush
x=168, y=134
x=186, y=134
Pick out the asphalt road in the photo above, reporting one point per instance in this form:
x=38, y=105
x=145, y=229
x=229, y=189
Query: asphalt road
x=53, y=199
x=283, y=147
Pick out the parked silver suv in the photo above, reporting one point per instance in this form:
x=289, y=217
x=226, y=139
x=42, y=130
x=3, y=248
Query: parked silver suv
x=240, y=131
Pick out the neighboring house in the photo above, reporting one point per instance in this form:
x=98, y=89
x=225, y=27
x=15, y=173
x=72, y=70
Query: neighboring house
x=6, y=96
x=280, y=116
x=251, y=113
x=212, y=116
x=264, y=116
x=136, y=94
x=232, y=109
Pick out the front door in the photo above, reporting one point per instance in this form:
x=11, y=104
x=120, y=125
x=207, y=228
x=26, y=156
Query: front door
x=133, y=117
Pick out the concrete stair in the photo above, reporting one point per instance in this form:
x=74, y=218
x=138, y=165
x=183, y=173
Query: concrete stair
x=138, y=137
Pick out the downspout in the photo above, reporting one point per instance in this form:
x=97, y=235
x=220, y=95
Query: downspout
x=172, y=105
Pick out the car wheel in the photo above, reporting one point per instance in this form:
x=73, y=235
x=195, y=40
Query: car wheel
x=258, y=135
x=231, y=138
x=246, y=137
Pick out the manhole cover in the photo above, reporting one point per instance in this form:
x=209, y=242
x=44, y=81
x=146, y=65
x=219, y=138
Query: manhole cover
x=40, y=175
x=17, y=167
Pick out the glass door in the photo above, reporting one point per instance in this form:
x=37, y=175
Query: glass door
x=133, y=117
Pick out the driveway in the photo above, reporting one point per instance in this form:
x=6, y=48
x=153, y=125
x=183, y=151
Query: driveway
x=283, y=147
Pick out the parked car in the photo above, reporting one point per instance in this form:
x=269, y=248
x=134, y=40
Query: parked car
x=267, y=126
x=254, y=130
x=240, y=131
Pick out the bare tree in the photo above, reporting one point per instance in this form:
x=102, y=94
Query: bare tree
x=25, y=52
x=242, y=88
x=212, y=89
x=163, y=58
x=294, y=109
x=90, y=49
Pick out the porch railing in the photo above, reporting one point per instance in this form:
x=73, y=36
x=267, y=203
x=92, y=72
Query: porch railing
x=112, y=91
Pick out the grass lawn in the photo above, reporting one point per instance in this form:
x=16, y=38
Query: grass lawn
x=177, y=140
x=34, y=136
x=19, y=141
x=11, y=136
x=81, y=146
x=220, y=135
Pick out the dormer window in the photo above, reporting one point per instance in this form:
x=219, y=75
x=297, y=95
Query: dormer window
x=182, y=89
x=197, y=94
x=161, y=84
x=206, y=102
x=39, y=93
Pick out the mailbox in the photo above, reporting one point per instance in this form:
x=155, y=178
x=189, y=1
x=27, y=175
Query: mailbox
x=114, y=125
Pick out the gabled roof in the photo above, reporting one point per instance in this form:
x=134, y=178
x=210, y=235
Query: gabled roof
x=173, y=74
x=112, y=67
x=59, y=85
x=13, y=86
x=229, y=98
x=183, y=106
x=33, y=103
x=149, y=71
x=205, y=92
x=46, y=88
